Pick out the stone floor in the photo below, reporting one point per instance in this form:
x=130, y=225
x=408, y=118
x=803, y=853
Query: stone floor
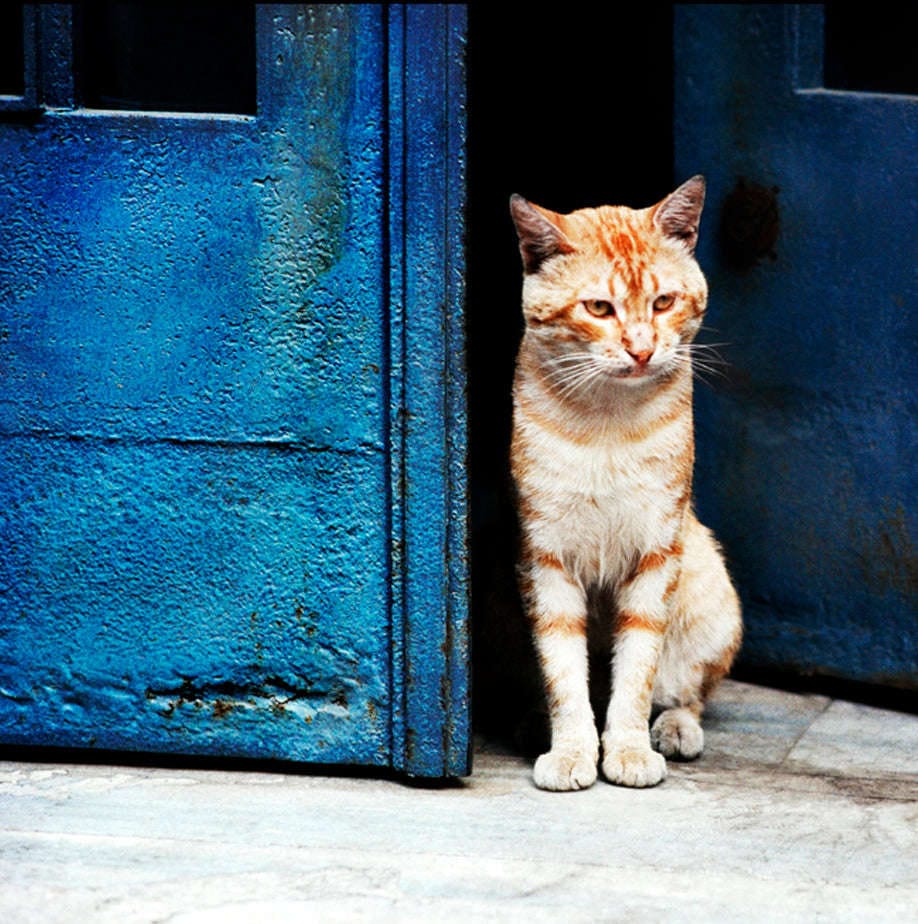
x=802, y=809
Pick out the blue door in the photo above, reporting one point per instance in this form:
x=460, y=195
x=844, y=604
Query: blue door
x=807, y=466
x=231, y=428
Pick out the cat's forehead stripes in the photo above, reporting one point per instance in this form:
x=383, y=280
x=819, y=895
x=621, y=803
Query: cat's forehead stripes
x=622, y=232
x=619, y=287
x=623, y=288
x=625, y=239
x=621, y=242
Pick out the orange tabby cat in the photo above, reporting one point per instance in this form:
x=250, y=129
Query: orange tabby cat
x=602, y=459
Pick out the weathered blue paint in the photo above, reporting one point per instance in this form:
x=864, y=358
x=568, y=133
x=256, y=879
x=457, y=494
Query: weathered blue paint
x=432, y=733
x=807, y=465
x=229, y=495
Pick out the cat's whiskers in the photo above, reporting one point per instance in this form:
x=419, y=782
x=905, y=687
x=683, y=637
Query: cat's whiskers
x=574, y=373
x=704, y=359
x=568, y=360
x=588, y=375
x=569, y=371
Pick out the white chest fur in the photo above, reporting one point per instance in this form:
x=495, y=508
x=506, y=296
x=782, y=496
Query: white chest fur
x=600, y=503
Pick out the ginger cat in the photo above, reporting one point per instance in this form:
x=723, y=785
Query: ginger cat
x=602, y=456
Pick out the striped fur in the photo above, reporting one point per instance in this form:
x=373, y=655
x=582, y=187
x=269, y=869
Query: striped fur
x=602, y=458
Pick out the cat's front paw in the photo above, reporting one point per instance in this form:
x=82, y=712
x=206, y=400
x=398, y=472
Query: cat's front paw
x=565, y=770
x=633, y=766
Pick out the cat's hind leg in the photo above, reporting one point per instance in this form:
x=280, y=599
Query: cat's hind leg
x=703, y=637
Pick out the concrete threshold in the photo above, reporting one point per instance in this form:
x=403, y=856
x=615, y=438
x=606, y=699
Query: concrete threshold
x=802, y=808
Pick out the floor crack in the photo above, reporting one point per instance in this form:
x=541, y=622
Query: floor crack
x=804, y=731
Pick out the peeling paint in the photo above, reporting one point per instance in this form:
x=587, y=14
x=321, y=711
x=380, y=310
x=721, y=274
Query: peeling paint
x=222, y=699
x=749, y=223
x=887, y=554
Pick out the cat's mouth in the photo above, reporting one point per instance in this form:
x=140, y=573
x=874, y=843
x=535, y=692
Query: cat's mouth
x=633, y=372
x=575, y=373
x=636, y=372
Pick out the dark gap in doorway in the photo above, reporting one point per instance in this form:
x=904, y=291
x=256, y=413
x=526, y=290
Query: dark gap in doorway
x=569, y=111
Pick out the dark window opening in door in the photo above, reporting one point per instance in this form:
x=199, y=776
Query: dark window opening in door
x=195, y=57
x=12, y=77
x=871, y=47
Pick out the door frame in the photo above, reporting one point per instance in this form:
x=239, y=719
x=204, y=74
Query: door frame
x=430, y=631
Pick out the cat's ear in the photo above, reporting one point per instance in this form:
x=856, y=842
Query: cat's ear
x=679, y=214
x=540, y=238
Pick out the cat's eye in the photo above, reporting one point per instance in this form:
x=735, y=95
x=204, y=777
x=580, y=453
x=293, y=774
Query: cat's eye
x=599, y=308
x=664, y=302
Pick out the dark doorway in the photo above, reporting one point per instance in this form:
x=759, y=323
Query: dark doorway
x=568, y=111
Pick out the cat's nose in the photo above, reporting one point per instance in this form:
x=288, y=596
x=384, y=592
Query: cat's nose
x=639, y=356
x=638, y=340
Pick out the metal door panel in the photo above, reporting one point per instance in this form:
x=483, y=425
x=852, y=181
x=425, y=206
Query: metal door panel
x=206, y=418
x=807, y=462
